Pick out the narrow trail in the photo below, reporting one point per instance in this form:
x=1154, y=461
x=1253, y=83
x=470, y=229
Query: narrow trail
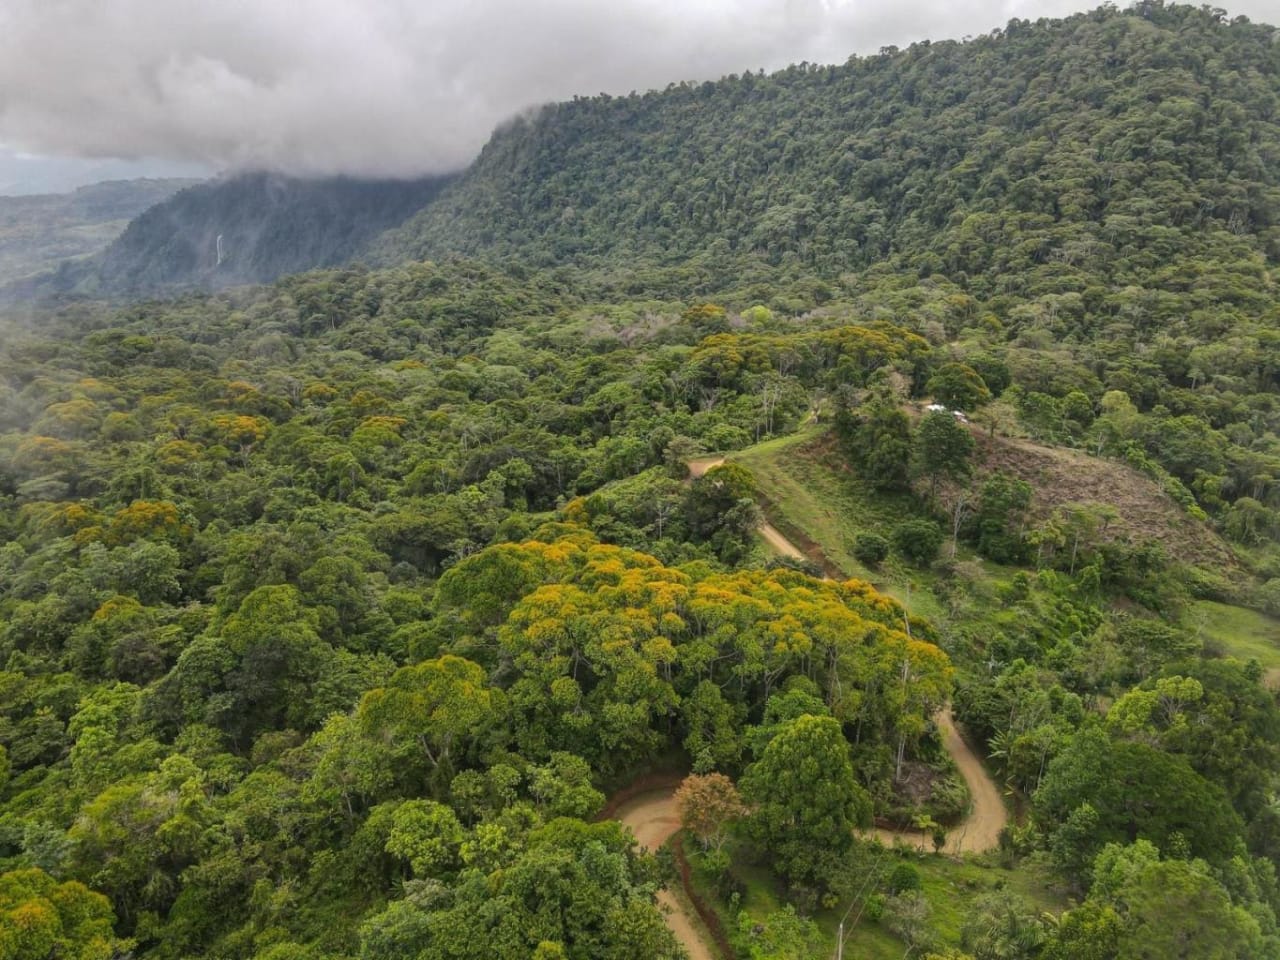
x=653, y=818
x=980, y=830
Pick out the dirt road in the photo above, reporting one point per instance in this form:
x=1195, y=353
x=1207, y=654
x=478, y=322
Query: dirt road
x=980, y=830
x=652, y=817
x=702, y=464
x=771, y=535
x=779, y=542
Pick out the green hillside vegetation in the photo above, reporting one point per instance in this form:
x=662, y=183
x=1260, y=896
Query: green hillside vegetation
x=1080, y=207
x=957, y=892
x=1027, y=629
x=1049, y=163
x=1247, y=634
x=245, y=535
x=332, y=610
x=338, y=547
x=816, y=496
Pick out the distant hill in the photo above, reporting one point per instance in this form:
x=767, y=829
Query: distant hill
x=1137, y=146
x=250, y=228
x=38, y=232
x=270, y=226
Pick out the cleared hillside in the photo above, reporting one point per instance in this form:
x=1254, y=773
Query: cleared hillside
x=817, y=500
x=1142, y=511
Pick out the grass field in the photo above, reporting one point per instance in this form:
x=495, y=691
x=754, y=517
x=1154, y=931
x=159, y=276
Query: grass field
x=813, y=501
x=807, y=498
x=1237, y=632
x=952, y=888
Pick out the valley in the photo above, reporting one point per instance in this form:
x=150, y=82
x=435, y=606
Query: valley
x=38, y=233
x=716, y=521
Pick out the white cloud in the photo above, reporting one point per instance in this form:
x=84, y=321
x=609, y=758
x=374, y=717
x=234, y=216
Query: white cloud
x=398, y=87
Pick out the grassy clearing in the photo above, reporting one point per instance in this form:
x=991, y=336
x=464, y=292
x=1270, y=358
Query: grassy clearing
x=953, y=890
x=1238, y=632
x=807, y=496
x=952, y=887
x=814, y=500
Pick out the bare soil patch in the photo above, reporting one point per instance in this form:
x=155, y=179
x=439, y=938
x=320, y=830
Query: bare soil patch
x=1059, y=476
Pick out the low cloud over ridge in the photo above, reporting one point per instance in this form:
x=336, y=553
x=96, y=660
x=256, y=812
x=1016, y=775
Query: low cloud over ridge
x=398, y=87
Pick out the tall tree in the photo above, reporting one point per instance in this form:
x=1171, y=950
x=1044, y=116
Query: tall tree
x=437, y=707
x=879, y=444
x=943, y=448
x=804, y=795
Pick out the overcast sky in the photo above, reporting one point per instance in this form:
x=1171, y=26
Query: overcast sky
x=389, y=87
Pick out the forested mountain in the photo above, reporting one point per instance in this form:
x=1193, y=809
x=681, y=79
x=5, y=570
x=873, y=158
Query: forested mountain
x=37, y=232
x=1098, y=193
x=1049, y=159
x=265, y=225
x=332, y=610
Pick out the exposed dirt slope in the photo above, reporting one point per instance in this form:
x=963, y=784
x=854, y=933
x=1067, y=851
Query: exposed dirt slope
x=780, y=543
x=702, y=464
x=1059, y=476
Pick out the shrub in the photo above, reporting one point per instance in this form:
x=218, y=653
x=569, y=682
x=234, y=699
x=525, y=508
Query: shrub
x=904, y=877
x=1269, y=597
x=917, y=540
x=949, y=799
x=875, y=906
x=804, y=565
x=870, y=549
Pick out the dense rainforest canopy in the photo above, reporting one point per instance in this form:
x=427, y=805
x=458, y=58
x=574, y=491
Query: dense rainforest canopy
x=1049, y=162
x=332, y=610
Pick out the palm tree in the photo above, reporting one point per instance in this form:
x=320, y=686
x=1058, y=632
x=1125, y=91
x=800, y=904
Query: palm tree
x=1004, y=928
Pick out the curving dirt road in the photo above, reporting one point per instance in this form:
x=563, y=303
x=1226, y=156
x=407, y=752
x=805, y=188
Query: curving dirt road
x=653, y=818
x=980, y=830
